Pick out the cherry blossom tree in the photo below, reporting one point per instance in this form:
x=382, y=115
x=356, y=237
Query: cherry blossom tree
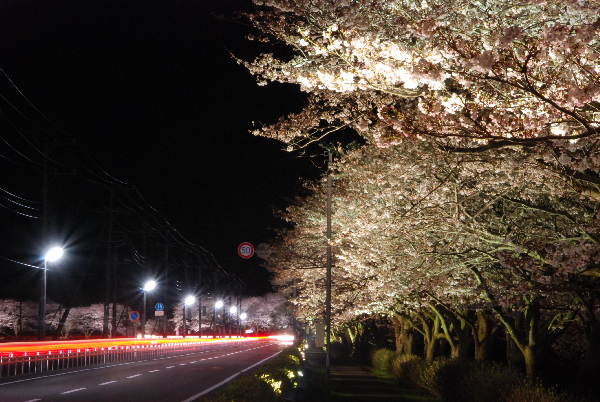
x=440, y=240
x=15, y=315
x=268, y=312
x=491, y=70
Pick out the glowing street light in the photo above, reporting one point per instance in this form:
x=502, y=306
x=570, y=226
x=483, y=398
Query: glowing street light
x=147, y=287
x=52, y=255
x=218, y=304
x=188, y=301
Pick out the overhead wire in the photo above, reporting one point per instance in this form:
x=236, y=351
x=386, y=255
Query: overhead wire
x=129, y=198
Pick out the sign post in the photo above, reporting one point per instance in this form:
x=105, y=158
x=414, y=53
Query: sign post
x=245, y=250
x=134, y=316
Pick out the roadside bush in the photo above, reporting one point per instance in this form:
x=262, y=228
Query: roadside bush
x=408, y=369
x=527, y=392
x=247, y=388
x=468, y=380
x=383, y=359
x=267, y=383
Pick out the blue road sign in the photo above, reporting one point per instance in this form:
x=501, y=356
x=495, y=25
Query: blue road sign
x=134, y=316
x=159, y=307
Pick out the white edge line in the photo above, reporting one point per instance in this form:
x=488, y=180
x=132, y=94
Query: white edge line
x=206, y=391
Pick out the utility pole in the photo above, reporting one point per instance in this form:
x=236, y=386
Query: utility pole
x=328, y=296
x=108, y=264
x=166, y=287
x=294, y=313
x=42, y=309
x=200, y=300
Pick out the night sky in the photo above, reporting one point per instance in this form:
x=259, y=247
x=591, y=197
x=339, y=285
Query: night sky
x=150, y=93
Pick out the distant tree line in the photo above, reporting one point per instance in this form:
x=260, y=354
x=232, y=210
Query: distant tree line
x=19, y=319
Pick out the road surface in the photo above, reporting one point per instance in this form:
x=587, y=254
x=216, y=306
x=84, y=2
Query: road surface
x=183, y=376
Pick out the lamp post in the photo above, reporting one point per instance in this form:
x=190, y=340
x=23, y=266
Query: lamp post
x=232, y=311
x=188, y=301
x=147, y=287
x=218, y=304
x=242, y=318
x=52, y=255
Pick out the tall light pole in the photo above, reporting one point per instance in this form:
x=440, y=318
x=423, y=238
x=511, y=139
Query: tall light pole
x=328, y=292
x=187, y=302
x=232, y=311
x=147, y=287
x=218, y=304
x=242, y=318
x=52, y=255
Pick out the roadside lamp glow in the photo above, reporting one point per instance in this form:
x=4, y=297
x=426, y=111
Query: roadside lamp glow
x=147, y=287
x=52, y=255
x=187, y=302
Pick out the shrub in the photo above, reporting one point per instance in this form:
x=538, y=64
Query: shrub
x=267, y=383
x=247, y=388
x=408, y=369
x=383, y=359
x=527, y=392
x=469, y=380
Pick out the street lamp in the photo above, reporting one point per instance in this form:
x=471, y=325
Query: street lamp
x=52, y=255
x=218, y=304
x=232, y=311
x=242, y=318
x=147, y=287
x=188, y=301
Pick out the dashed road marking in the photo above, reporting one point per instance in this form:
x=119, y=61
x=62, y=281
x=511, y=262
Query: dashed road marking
x=133, y=376
x=73, y=390
x=170, y=366
x=153, y=371
x=106, y=383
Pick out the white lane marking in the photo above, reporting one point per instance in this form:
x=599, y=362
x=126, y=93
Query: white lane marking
x=225, y=381
x=192, y=362
x=33, y=400
x=153, y=371
x=106, y=383
x=170, y=366
x=73, y=390
x=133, y=376
x=182, y=364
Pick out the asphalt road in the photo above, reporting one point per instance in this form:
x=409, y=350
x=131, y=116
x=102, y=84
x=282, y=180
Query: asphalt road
x=182, y=377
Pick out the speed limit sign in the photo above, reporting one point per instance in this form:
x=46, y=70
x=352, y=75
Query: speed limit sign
x=245, y=250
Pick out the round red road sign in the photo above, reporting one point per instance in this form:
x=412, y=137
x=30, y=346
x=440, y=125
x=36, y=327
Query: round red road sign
x=245, y=250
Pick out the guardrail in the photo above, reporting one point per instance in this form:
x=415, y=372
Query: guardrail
x=19, y=363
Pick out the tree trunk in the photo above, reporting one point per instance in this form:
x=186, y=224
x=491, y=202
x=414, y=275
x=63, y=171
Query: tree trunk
x=460, y=348
x=530, y=362
x=431, y=347
x=405, y=335
x=484, y=336
x=61, y=323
